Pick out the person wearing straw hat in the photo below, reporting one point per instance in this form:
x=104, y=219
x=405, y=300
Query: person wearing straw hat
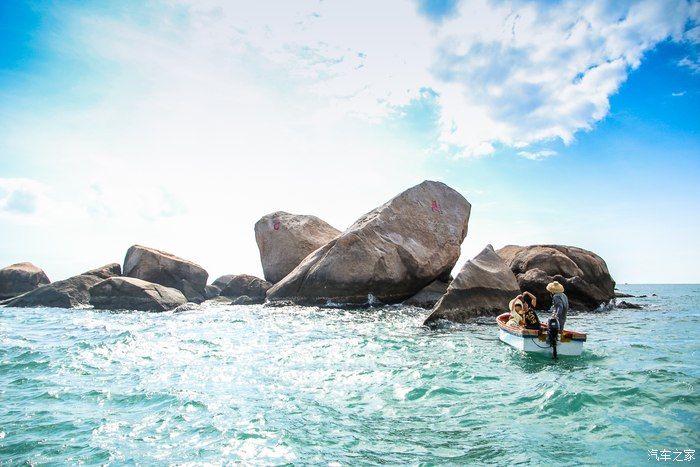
x=560, y=303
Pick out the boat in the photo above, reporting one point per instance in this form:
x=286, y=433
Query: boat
x=534, y=340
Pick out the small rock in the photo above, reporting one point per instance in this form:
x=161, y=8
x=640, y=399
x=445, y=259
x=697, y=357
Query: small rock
x=189, y=306
x=246, y=300
x=246, y=285
x=627, y=305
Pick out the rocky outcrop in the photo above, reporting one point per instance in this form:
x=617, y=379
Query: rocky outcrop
x=222, y=281
x=284, y=240
x=211, y=291
x=584, y=275
x=628, y=306
x=390, y=253
x=245, y=285
x=19, y=278
x=189, y=306
x=106, y=271
x=129, y=293
x=166, y=269
x=484, y=286
x=68, y=293
x=428, y=295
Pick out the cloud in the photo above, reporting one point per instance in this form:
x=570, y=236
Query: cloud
x=537, y=155
x=692, y=63
x=678, y=94
x=510, y=73
x=20, y=197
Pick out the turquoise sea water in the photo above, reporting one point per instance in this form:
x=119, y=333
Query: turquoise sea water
x=307, y=386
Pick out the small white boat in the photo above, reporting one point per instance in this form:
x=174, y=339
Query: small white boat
x=533, y=340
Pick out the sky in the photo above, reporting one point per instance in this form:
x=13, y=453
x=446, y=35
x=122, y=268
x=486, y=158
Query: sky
x=177, y=124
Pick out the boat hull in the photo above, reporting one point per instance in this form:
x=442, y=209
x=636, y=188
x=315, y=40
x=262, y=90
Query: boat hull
x=534, y=344
x=533, y=340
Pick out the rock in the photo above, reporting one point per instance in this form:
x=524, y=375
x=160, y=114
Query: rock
x=623, y=295
x=129, y=293
x=106, y=271
x=246, y=300
x=284, y=240
x=217, y=301
x=223, y=281
x=428, y=295
x=19, y=278
x=163, y=268
x=211, y=291
x=627, y=305
x=584, y=275
x=390, y=253
x=68, y=293
x=484, y=286
x=246, y=285
x=189, y=306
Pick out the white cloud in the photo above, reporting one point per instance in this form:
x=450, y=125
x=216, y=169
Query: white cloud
x=537, y=155
x=691, y=63
x=22, y=198
x=508, y=73
x=678, y=94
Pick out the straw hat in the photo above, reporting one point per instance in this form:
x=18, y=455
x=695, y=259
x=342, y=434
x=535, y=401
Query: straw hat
x=555, y=287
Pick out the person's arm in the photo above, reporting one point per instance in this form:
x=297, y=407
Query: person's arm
x=533, y=299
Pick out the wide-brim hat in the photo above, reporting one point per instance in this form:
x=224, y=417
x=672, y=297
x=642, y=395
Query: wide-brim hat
x=555, y=287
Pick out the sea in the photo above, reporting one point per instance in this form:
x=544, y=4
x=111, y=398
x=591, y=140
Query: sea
x=256, y=385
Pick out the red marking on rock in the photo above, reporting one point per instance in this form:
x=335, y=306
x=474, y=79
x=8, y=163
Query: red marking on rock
x=276, y=225
x=436, y=206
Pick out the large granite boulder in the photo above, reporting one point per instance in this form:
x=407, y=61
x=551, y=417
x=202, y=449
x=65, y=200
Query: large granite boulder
x=284, y=240
x=484, y=286
x=389, y=254
x=68, y=293
x=429, y=295
x=245, y=285
x=106, y=271
x=166, y=269
x=129, y=293
x=19, y=278
x=584, y=275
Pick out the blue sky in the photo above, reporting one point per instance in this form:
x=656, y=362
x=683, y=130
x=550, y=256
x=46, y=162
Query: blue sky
x=178, y=124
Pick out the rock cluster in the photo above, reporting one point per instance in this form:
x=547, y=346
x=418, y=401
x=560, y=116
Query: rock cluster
x=400, y=252
x=388, y=255
x=583, y=274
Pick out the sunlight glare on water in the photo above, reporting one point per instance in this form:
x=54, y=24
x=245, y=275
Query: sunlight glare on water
x=298, y=385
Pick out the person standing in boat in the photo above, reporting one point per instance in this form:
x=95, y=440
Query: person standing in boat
x=560, y=303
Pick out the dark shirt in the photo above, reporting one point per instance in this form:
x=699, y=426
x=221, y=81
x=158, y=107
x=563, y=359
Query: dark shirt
x=532, y=321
